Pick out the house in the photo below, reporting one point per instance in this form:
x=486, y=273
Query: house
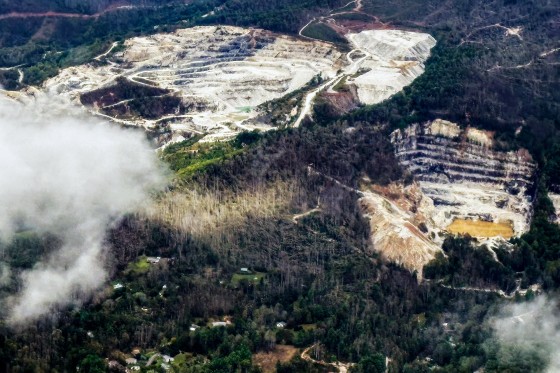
x=281, y=325
x=194, y=327
x=245, y=270
x=131, y=360
x=216, y=324
x=153, y=260
x=114, y=365
x=118, y=286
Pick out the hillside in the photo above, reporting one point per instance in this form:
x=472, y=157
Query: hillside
x=280, y=186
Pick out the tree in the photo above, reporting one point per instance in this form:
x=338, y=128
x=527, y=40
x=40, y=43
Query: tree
x=93, y=364
x=370, y=364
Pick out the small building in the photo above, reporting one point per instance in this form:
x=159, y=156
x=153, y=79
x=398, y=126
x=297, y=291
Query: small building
x=194, y=327
x=245, y=270
x=153, y=260
x=281, y=325
x=131, y=361
x=217, y=324
x=167, y=359
x=118, y=286
x=114, y=365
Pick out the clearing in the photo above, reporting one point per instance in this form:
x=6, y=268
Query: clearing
x=267, y=360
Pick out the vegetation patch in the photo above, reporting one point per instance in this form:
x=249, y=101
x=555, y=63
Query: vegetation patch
x=138, y=267
x=353, y=17
x=190, y=157
x=323, y=32
x=252, y=278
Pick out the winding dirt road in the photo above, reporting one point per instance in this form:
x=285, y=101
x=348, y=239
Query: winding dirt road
x=349, y=70
x=342, y=367
x=65, y=15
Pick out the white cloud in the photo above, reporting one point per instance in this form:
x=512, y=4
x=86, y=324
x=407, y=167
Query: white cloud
x=66, y=173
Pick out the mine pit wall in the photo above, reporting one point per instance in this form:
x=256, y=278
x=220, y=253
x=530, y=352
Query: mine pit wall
x=459, y=170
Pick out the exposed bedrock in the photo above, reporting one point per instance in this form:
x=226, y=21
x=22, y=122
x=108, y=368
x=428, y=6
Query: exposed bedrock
x=463, y=185
x=396, y=59
x=465, y=177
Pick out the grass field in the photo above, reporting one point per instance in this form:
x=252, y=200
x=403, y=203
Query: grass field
x=255, y=277
x=477, y=228
x=139, y=267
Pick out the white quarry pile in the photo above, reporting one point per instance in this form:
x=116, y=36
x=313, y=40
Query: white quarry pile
x=555, y=198
x=464, y=176
x=395, y=59
x=231, y=69
x=224, y=72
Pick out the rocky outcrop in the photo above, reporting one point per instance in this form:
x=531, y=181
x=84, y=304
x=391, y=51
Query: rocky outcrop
x=465, y=177
x=400, y=224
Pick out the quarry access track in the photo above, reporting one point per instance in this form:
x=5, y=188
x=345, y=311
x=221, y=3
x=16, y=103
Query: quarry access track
x=350, y=70
x=66, y=15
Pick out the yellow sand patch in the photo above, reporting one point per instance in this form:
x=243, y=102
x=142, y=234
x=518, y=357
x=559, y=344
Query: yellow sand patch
x=477, y=228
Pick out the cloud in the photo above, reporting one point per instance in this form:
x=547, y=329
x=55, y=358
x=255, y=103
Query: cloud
x=68, y=174
x=530, y=330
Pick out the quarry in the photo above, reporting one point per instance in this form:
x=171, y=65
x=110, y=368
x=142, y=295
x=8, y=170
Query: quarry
x=213, y=80
x=463, y=185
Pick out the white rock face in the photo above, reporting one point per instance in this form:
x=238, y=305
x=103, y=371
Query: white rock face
x=464, y=177
x=555, y=198
x=395, y=59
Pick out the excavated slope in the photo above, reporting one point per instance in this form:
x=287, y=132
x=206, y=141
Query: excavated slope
x=395, y=59
x=465, y=177
x=399, y=225
x=220, y=73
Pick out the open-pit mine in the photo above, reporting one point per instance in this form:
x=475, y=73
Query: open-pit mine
x=213, y=80
x=463, y=185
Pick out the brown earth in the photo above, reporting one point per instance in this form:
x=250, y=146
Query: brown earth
x=267, y=360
